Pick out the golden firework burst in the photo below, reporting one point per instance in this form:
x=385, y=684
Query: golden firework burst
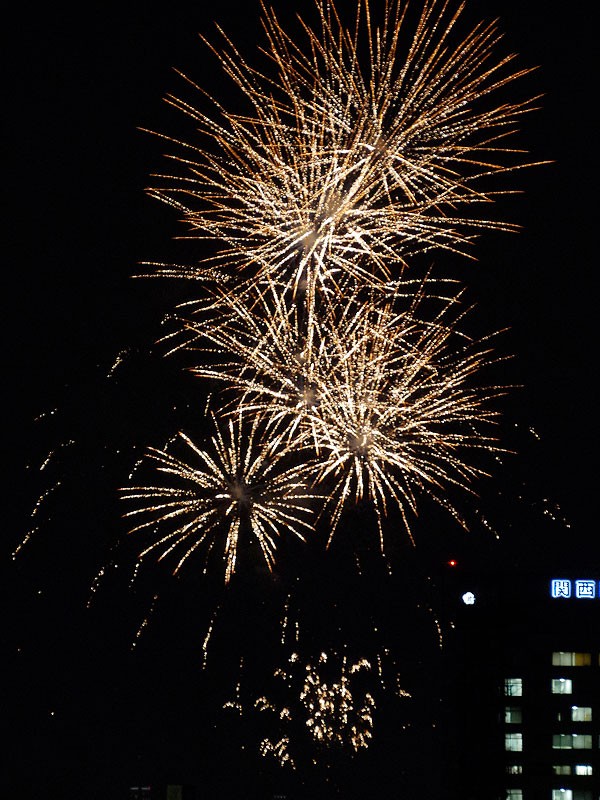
x=369, y=144
x=239, y=486
x=381, y=391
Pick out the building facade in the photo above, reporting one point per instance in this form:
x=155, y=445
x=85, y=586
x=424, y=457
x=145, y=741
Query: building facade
x=523, y=687
x=551, y=693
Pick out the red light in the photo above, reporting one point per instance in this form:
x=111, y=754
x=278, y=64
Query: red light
x=452, y=563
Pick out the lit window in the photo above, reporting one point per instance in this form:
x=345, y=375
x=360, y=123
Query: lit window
x=571, y=741
x=562, y=794
x=562, y=769
x=513, y=687
x=571, y=659
x=139, y=792
x=513, y=741
x=582, y=742
x=514, y=769
x=581, y=714
x=562, y=741
x=582, y=794
x=514, y=794
x=583, y=769
x=562, y=686
x=513, y=715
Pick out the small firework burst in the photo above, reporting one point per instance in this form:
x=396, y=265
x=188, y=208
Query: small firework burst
x=238, y=487
x=329, y=702
x=336, y=713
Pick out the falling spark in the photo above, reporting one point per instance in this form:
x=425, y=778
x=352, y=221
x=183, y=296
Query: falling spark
x=35, y=512
x=207, y=640
x=119, y=359
x=145, y=622
x=236, y=703
x=45, y=414
x=97, y=580
x=279, y=750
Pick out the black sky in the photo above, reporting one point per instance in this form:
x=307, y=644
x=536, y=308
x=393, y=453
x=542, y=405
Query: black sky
x=78, y=88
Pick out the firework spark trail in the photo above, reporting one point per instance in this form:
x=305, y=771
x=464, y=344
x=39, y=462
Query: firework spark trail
x=340, y=167
x=42, y=499
x=207, y=638
x=239, y=487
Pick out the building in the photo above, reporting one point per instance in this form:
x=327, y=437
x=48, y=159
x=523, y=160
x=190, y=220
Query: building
x=162, y=791
x=551, y=693
x=523, y=687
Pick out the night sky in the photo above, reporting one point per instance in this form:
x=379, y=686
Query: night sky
x=85, y=714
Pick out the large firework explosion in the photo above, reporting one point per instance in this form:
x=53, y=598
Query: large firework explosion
x=379, y=397
x=358, y=148
x=343, y=377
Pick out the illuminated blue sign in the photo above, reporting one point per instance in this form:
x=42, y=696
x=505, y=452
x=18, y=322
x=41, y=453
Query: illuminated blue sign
x=585, y=589
x=580, y=588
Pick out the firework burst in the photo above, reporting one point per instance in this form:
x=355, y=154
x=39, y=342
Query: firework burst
x=326, y=701
x=334, y=711
x=239, y=487
x=367, y=146
x=383, y=393
x=398, y=413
